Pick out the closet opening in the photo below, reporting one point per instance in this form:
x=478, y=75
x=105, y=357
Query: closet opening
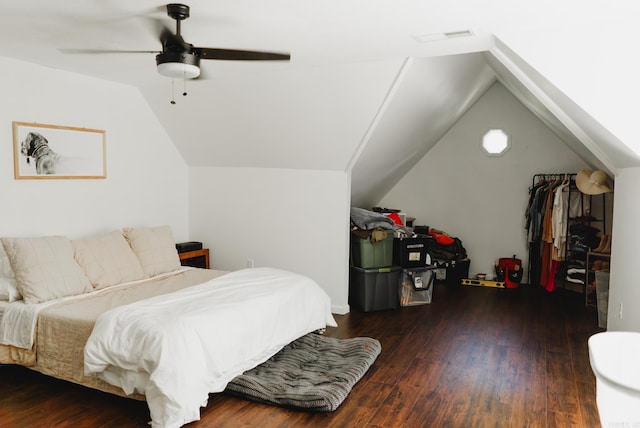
x=569, y=223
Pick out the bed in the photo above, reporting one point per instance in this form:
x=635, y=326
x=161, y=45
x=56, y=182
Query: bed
x=118, y=313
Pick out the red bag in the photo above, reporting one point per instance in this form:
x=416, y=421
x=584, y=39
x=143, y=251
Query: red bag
x=512, y=268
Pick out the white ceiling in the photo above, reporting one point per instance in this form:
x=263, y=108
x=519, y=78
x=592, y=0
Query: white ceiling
x=309, y=113
x=316, y=33
x=356, y=70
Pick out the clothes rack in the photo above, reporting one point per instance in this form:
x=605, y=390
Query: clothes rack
x=563, y=259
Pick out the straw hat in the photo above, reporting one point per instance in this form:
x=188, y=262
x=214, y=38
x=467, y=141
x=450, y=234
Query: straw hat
x=593, y=182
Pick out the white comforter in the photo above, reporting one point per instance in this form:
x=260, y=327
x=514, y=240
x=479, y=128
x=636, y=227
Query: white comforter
x=177, y=348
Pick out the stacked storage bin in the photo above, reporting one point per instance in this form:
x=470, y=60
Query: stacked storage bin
x=373, y=281
x=418, y=275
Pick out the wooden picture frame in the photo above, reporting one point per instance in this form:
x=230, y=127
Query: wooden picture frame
x=43, y=151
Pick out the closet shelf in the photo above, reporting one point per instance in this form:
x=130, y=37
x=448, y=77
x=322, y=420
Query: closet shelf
x=586, y=219
x=595, y=253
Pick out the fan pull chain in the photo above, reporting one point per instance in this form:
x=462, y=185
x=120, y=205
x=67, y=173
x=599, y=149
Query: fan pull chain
x=173, y=101
x=184, y=82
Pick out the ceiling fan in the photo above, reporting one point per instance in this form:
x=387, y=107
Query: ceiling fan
x=179, y=59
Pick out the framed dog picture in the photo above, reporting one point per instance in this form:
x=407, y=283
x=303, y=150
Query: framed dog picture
x=51, y=151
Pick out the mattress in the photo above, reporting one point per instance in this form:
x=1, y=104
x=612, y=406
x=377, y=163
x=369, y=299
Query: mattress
x=62, y=329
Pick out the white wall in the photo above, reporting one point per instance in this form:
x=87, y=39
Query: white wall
x=624, y=281
x=290, y=219
x=481, y=199
x=146, y=180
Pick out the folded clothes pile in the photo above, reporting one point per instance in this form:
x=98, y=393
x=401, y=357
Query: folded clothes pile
x=444, y=247
x=577, y=276
x=585, y=239
x=369, y=220
x=375, y=226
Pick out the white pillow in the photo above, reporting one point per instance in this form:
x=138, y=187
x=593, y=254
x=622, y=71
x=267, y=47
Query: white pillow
x=155, y=248
x=8, y=289
x=44, y=268
x=107, y=259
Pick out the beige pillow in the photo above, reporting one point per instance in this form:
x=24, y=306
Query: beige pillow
x=155, y=248
x=107, y=259
x=44, y=268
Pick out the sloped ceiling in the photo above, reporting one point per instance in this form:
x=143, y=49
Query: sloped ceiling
x=427, y=98
x=371, y=86
x=575, y=127
x=310, y=118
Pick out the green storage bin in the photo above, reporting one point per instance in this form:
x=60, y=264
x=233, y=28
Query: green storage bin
x=366, y=255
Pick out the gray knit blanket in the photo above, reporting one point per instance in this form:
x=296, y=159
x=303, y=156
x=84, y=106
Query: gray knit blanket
x=313, y=373
x=369, y=220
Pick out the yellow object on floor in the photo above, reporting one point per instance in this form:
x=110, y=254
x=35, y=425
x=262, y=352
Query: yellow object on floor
x=483, y=283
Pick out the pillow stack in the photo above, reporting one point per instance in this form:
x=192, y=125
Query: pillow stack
x=46, y=268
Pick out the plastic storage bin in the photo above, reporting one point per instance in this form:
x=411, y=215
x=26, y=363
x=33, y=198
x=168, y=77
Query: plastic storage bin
x=374, y=289
x=416, y=286
x=411, y=252
x=366, y=255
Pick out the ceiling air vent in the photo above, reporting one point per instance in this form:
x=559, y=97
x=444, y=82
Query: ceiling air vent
x=433, y=37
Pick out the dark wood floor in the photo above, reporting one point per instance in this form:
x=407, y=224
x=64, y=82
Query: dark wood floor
x=475, y=357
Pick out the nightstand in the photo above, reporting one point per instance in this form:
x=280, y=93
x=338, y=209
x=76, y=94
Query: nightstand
x=195, y=258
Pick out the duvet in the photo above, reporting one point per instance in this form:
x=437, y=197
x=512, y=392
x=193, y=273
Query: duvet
x=178, y=348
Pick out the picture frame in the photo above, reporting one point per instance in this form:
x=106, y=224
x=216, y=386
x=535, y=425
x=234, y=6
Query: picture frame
x=42, y=151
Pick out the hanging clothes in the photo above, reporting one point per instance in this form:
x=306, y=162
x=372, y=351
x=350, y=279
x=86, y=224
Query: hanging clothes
x=553, y=201
x=560, y=221
x=533, y=225
x=550, y=285
x=547, y=234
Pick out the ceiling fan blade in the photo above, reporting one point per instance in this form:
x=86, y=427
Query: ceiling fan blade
x=239, y=55
x=103, y=51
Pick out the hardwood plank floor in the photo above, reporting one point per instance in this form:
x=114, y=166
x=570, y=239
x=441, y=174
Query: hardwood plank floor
x=475, y=357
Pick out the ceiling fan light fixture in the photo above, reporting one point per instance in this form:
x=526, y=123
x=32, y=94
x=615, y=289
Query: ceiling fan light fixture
x=178, y=65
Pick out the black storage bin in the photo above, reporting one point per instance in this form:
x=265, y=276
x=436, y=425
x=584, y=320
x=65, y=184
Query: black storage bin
x=421, y=230
x=456, y=271
x=410, y=252
x=374, y=289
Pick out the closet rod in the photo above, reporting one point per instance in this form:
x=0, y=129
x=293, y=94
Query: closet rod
x=570, y=175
